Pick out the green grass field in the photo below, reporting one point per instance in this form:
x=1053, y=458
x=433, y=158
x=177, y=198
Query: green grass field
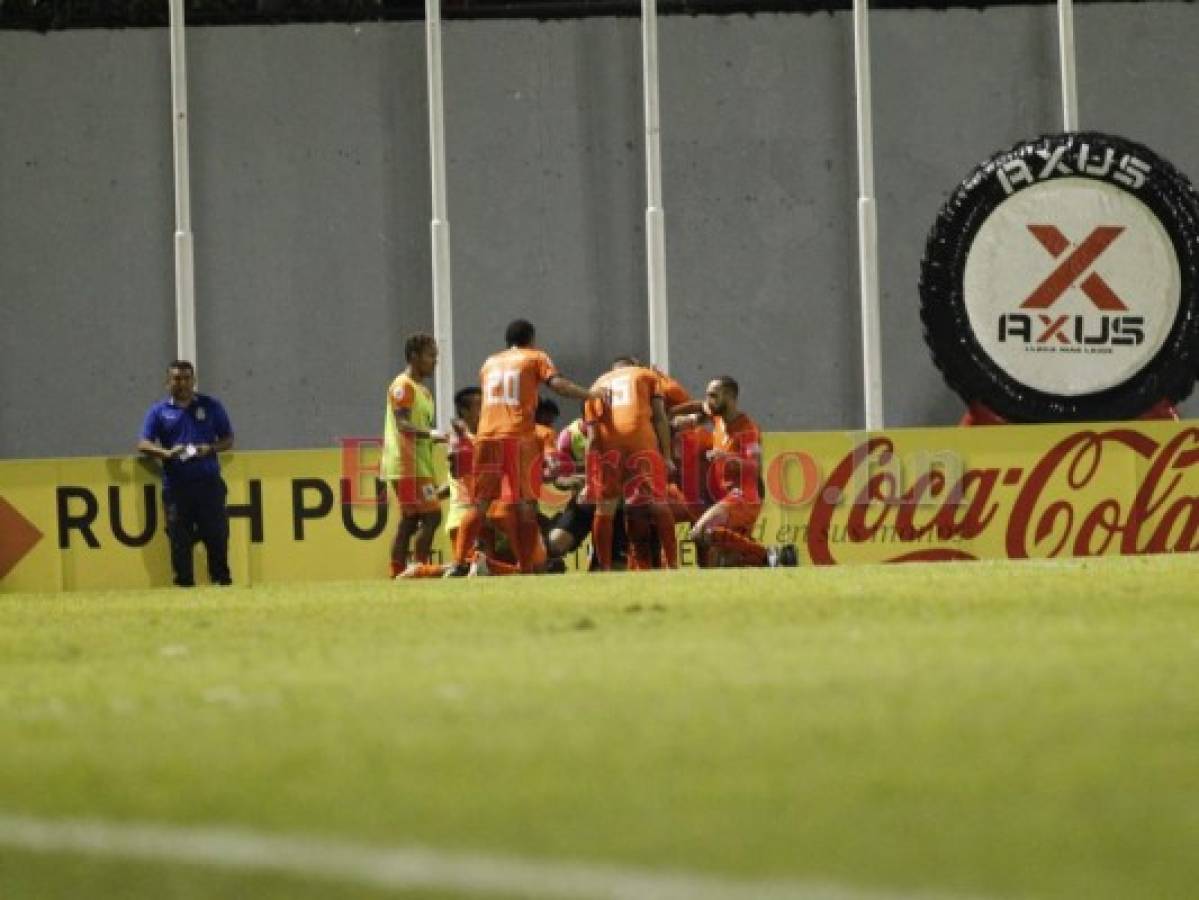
x=984, y=730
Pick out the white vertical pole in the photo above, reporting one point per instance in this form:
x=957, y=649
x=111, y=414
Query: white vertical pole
x=185, y=277
x=443, y=296
x=872, y=371
x=655, y=217
x=1065, y=40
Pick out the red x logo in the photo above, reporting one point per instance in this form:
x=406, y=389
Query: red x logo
x=1068, y=271
x=1053, y=329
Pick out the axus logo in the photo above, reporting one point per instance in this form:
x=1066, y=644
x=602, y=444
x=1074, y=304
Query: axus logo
x=1045, y=331
x=1123, y=168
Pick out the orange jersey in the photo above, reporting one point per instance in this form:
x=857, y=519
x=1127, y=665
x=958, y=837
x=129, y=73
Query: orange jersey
x=673, y=393
x=510, y=380
x=627, y=420
x=741, y=437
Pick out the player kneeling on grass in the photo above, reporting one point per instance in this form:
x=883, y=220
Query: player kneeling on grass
x=628, y=461
x=722, y=533
x=468, y=406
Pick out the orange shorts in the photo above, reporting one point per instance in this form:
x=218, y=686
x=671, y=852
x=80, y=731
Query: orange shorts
x=635, y=476
x=507, y=468
x=741, y=516
x=417, y=495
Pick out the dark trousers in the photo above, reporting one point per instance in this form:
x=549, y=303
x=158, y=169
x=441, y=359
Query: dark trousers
x=195, y=511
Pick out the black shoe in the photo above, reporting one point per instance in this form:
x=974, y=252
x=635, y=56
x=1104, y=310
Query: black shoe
x=224, y=582
x=460, y=570
x=184, y=584
x=555, y=566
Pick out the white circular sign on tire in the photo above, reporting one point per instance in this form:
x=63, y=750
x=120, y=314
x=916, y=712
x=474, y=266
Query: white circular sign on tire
x=1071, y=286
x=1060, y=282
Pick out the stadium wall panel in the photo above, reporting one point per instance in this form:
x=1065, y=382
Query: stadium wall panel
x=311, y=202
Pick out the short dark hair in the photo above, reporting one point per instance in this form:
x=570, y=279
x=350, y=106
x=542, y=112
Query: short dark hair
x=519, y=333
x=729, y=383
x=181, y=364
x=417, y=344
x=546, y=407
x=626, y=360
x=462, y=398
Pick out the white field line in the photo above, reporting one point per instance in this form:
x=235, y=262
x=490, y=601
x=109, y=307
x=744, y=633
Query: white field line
x=406, y=867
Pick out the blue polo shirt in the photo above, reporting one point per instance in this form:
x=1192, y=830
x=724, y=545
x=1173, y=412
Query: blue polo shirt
x=203, y=421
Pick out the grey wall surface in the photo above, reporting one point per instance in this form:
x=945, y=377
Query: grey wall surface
x=311, y=202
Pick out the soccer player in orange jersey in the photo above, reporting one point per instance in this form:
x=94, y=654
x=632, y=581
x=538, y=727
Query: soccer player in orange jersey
x=508, y=453
x=629, y=458
x=722, y=533
x=505, y=514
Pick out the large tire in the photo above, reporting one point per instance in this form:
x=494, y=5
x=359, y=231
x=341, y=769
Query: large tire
x=1060, y=282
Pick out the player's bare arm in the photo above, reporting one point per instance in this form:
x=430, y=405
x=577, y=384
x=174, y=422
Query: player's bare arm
x=662, y=429
x=689, y=414
x=405, y=425
x=564, y=387
x=688, y=420
x=690, y=408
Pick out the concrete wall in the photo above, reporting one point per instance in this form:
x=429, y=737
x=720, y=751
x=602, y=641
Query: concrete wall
x=311, y=202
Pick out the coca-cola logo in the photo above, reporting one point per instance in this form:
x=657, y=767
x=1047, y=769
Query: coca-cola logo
x=1067, y=503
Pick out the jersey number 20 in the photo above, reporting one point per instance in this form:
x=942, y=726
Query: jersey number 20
x=503, y=387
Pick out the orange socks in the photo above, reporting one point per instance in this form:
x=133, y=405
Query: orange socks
x=468, y=533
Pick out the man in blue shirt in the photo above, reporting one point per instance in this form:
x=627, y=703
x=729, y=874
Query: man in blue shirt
x=186, y=431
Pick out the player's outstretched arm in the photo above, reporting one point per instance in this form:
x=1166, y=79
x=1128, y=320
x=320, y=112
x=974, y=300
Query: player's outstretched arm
x=662, y=427
x=564, y=387
x=690, y=408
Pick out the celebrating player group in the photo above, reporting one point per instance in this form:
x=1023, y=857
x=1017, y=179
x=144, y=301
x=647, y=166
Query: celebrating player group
x=643, y=457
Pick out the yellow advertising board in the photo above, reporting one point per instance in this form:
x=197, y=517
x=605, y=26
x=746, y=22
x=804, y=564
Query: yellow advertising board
x=997, y=492
x=840, y=497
